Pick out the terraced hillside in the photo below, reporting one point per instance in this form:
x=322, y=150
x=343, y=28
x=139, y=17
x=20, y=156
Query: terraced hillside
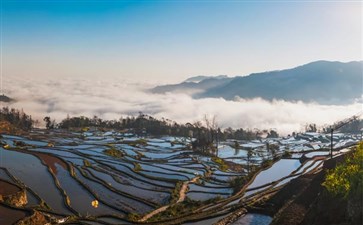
x=114, y=178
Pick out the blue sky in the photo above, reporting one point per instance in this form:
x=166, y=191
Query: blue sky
x=173, y=40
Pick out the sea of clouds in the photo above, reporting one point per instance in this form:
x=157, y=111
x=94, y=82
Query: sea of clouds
x=111, y=99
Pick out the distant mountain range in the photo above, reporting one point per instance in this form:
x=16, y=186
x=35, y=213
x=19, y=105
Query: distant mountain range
x=4, y=98
x=323, y=82
x=192, y=86
x=197, y=79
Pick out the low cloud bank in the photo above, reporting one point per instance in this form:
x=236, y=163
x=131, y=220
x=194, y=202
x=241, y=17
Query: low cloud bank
x=111, y=99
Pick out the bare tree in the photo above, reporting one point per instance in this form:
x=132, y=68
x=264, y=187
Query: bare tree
x=214, y=130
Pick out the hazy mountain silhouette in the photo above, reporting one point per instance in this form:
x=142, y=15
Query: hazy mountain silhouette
x=192, y=87
x=4, y=98
x=197, y=79
x=324, y=82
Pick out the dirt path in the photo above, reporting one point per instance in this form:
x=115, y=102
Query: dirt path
x=184, y=188
x=153, y=213
x=182, y=195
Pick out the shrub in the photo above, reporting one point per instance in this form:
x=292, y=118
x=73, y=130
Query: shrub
x=19, y=143
x=237, y=183
x=85, y=129
x=141, y=142
x=137, y=167
x=347, y=177
x=12, y=119
x=175, y=193
x=86, y=163
x=266, y=163
x=133, y=217
x=177, y=210
x=286, y=154
x=221, y=163
x=114, y=153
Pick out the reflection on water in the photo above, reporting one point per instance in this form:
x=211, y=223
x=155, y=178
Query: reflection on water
x=8, y=188
x=253, y=219
x=34, y=174
x=10, y=216
x=207, y=221
x=118, y=186
x=317, y=153
x=227, y=151
x=203, y=196
x=279, y=170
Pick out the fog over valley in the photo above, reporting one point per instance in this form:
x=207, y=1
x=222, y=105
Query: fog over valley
x=172, y=112
x=111, y=99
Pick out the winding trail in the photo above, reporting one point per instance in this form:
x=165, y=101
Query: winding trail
x=184, y=189
x=182, y=195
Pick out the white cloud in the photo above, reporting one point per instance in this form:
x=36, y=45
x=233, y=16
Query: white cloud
x=111, y=99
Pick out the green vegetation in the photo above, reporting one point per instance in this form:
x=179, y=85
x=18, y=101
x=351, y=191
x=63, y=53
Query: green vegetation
x=347, y=178
x=44, y=205
x=139, y=155
x=49, y=123
x=140, y=141
x=19, y=143
x=311, y=127
x=86, y=163
x=10, y=119
x=182, y=208
x=145, y=123
x=272, y=149
x=221, y=163
x=266, y=163
x=133, y=217
x=286, y=154
x=272, y=134
x=237, y=183
x=50, y=145
x=137, y=167
x=72, y=172
x=68, y=200
x=175, y=142
x=85, y=129
x=200, y=181
x=175, y=193
x=354, y=126
x=114, y=153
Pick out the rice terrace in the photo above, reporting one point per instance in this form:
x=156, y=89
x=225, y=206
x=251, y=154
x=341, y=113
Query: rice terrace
x=95, y=175
x=181, y=112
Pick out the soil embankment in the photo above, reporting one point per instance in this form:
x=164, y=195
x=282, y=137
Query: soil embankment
x=305, y=201
x=12, y=194
x=182, y=195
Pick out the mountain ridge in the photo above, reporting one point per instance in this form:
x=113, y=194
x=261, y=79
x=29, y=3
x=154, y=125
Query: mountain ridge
x=324, y=82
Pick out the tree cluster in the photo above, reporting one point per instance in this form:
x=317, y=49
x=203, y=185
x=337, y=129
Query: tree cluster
x=247, y=134
x=16, y=118
x=206, y=132
x=352, y=125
